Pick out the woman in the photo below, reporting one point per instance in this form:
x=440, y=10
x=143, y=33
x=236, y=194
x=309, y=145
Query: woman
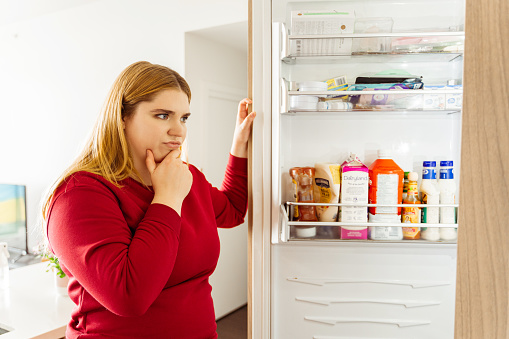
x=134, y=227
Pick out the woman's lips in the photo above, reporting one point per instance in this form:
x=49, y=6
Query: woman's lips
x=173, y=144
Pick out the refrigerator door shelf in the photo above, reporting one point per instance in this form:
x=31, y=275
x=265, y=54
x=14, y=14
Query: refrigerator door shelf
x=432, y=46
x=376, y=112
x=384, y=100
x=366, y=205
x=312, y=45
x=371, y=58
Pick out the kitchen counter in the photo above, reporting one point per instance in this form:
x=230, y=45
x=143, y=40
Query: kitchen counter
x=31, y=307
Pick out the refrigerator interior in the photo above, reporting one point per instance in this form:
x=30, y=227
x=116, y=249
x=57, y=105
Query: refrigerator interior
x=378, y=274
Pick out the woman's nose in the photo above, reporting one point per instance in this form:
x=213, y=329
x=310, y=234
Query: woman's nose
x=176, y=129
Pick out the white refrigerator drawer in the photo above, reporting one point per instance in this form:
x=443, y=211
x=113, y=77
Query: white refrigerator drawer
x=372, y=291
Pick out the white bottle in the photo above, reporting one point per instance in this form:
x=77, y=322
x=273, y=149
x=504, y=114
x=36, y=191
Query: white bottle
x=447, y=187
x=4, y=266
x=430, y=194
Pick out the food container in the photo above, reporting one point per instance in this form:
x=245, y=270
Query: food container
x=303, y=102
x=309, y=86
x=313, y=86
x=372, y=45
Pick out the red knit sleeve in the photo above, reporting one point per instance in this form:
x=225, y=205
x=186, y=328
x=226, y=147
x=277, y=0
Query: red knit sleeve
x=122, y=269
x=230, y=201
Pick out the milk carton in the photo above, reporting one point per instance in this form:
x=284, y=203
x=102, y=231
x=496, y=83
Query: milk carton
x=354, y=189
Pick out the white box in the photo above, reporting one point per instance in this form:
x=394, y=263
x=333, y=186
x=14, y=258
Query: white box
x=322, y=22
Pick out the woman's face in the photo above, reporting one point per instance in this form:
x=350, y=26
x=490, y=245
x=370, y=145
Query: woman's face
x=158, y=125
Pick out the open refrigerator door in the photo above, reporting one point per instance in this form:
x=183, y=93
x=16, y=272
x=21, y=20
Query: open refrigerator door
x=363, y=93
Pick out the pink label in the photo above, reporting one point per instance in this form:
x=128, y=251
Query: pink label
x=347, y=168
x=354, y=234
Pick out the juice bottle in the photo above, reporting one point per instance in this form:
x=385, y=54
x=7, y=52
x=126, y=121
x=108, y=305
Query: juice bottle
x=386, y=187
x=411, y=215
x=405, y=186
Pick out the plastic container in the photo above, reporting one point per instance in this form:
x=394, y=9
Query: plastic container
x=411, y=215
x=304, y=177
x=386, y=187
x=326, y=190
x=309, y=86
x=4, y=266
x=430, y=195
x=303, y=102
x=327, y=187
x=447, y=186
x=372, y=45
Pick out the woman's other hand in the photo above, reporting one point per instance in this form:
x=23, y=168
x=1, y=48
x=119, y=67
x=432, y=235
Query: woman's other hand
x=242, y=129
x=171, y=179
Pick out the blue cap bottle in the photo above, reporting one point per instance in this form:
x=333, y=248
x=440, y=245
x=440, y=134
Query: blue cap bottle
x=429, y=170
x=446, y=169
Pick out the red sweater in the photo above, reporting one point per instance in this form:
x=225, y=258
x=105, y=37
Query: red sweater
x=138, y=270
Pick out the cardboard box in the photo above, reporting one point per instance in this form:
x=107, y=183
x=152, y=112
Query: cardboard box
x=321, y=22
x=354, y=189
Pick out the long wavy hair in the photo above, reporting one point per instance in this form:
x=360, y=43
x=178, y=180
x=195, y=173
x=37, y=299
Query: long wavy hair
x=106, y=153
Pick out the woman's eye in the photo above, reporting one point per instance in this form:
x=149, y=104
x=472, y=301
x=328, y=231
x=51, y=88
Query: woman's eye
x=184, y=118
x=162, y=116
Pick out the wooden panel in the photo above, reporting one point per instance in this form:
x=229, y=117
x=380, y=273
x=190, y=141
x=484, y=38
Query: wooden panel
x=482, y=297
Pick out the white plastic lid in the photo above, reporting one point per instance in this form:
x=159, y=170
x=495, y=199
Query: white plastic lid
x=308, y=85
x=385, y=154
x=413, y=176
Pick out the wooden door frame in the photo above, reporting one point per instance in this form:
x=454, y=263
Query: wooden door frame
x=482, y=298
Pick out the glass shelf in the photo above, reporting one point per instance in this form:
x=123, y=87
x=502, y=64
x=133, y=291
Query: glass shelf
x=332, y=235
x=401, y=47
x=366, y=112
x=373, y=58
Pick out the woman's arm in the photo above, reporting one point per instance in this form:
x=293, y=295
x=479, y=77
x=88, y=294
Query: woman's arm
x=230, y=201
x=123, y=269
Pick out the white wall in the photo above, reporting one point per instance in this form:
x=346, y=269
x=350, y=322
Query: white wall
x=217, y=74
x=56, y=69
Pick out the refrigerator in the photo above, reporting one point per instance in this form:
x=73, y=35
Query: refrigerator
x=315, y=284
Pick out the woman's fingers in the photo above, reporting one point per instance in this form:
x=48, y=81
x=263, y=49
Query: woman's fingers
x=150, y=162
x=243, y=108
x=248, y=121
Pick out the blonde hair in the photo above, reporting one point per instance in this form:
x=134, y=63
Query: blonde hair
x=106, y=153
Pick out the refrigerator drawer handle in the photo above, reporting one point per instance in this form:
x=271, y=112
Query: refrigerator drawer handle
x=323, y=281
x=406, y=303
x=399, y=322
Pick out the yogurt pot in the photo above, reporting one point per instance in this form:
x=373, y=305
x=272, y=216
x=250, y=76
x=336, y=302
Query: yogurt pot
x=303, y=102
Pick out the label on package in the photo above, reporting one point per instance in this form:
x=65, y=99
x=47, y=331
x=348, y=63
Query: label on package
x=387, y=193
x=354, y=189
x=321, y=23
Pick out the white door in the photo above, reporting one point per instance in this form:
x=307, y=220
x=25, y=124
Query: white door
x=229, y=281
x=217, y=74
